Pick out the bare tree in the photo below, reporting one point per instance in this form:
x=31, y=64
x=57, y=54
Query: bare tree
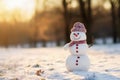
x=119, y=17
x=114, y=27
x=35, y=21
x=86, y=14
x=66, y=18
x=118, y=9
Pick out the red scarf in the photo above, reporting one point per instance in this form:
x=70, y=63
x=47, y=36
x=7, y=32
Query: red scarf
x=77, y=42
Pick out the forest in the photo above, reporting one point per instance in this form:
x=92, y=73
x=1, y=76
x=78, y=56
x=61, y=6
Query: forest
x=50, y=21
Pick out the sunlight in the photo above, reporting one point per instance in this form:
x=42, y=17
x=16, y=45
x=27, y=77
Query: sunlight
x=74, y=4
x=95, y=3
x=107, y=5
x=12, y=4
x=22, y=10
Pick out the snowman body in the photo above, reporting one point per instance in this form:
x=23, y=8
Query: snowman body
x=77, y=63
x=78, y=49
x=78, y=59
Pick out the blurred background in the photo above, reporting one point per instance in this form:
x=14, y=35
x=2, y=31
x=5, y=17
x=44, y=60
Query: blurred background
x=47, y=23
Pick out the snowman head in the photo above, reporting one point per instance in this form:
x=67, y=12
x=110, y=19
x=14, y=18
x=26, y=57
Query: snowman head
x=78, y=32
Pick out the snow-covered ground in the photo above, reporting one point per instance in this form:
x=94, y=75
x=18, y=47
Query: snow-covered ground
x=49, y=64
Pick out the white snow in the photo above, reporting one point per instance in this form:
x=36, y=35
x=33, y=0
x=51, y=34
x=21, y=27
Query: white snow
x=24, y=63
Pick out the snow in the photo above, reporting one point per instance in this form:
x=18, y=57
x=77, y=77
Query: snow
x=49, y=64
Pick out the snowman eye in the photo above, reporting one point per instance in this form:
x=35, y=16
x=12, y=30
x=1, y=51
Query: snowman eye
x=78, y=33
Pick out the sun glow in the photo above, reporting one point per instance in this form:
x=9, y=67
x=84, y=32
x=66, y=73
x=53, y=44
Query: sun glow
x=74, y=4
x=20, y=10
x=107, y=5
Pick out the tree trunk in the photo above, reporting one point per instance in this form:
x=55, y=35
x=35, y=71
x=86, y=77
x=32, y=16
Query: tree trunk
x=36, y=35
x=114, y=34
x=119, y=10
x=58, y=43
x=89, y=22
x=67, y=31
x=87, y=18
x=82, y=10
x=119, y=18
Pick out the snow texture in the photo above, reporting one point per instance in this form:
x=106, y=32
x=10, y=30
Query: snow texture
x=49, y=64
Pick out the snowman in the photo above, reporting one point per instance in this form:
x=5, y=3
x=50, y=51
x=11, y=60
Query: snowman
x=78, y=60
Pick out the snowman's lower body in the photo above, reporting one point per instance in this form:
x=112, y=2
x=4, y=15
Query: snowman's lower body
x=78, y=63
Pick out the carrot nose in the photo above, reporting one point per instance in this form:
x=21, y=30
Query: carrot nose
x=75, y=35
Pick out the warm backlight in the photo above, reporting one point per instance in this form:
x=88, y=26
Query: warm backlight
x=19, y=10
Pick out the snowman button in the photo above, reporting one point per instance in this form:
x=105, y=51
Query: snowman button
x=76, y=47
x=76, y=60
x=76, y=44
x=78, y=57
x=76, y=63
x=76, y=51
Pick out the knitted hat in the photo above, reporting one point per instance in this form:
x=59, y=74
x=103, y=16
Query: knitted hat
x=78, y=27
